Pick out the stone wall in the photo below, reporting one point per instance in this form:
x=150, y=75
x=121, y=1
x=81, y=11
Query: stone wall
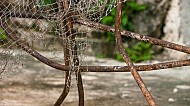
x=151, y=21
x=165, y=19
x=172, y=29
x=177, y=26
x=185, y=20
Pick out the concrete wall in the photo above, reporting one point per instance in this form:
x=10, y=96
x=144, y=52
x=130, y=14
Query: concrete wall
x=172, y=29
x=185, y=20
x=166, y=19
x=151, y=21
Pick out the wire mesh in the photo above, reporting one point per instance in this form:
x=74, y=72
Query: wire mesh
x=36, y=31
x=26, y=25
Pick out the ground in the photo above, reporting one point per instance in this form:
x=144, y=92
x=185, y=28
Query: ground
x=39, y=85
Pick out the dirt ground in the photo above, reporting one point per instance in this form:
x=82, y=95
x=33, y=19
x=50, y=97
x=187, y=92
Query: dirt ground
x=39, y=85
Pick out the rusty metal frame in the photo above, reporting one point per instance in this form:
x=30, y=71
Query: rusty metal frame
x=127, y=60
x=118, y=32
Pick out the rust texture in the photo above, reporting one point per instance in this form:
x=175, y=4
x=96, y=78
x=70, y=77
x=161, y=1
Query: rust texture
x=137, y=36
x=130, y=67
x=127, y=60
x=63, y=5
x=69, y=45
x=126, y=33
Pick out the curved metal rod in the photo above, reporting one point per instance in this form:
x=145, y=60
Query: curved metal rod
x=69, y=47
x=75, y=54
x=29, y=50
x=127, y=60
x=65, y=89
x=130, y=66
x=24, y=45
x=62, y=5
x=126, y=33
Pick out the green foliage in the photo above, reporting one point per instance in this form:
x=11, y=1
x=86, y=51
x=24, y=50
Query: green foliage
x=3, y=35
x=128, y=8
x=139, y=52
x=46, y=2
x=135, y=7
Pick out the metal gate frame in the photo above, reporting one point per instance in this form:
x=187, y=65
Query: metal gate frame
x=130, y=67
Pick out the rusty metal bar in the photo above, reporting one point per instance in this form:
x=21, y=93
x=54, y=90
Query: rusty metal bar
x=62, y=5
x=78, y=75
x=127, y=60
x=66, y=55
x=25, y=46
x=52, y=64
x=55, y=65
x=70, y=46
x=137, y=36
x=22, y=44
x=151, y=67
x=126, y=33
x=74, y=52
x=73, y=47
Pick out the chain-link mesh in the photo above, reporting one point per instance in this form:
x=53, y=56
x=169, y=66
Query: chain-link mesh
x=50, y=25
x=50, y=33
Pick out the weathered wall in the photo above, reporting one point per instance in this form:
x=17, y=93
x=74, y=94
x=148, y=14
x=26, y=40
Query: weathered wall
x=151, y=21
x=177, y=26
x=166, y=19
x=172, y=29
x=185, y=20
